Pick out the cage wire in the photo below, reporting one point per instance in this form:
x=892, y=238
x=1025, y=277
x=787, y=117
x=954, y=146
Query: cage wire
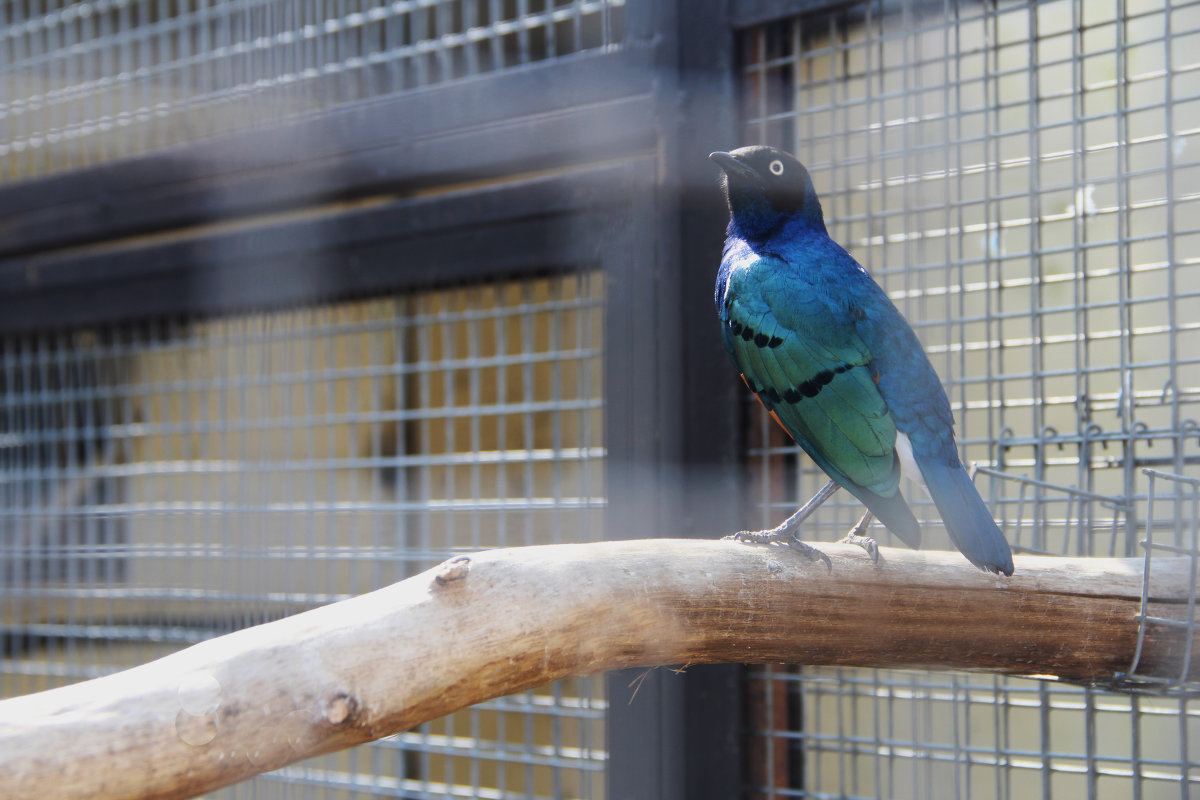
x=1020, y=178
x=86, y=82
x=166, y=481
x=1182, y=522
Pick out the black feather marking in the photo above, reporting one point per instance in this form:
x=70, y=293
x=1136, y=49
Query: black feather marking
x=813, y=386
x=749, y=334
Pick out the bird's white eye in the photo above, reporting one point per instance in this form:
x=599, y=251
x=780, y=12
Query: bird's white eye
x=776, y=167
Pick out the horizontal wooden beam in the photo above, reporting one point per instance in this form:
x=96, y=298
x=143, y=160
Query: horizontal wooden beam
x=500, y=621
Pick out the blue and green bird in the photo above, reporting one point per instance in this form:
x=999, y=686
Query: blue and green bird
x=835, y=363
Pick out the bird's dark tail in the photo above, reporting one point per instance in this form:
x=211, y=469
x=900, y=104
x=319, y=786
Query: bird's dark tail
x=967, y=519
x=894, y=513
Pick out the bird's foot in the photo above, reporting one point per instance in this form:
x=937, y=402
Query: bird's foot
x=771, y=536
x=865, y=542
x=857, y=535
x=810, y=552
x=782, y=535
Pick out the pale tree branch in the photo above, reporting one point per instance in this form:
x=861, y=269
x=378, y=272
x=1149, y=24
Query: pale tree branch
x=500, y=621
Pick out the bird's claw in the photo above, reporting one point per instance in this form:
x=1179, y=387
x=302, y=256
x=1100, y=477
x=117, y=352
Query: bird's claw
x=758, y=537
x=811, y=553
x=781, y=536
x=865, y=542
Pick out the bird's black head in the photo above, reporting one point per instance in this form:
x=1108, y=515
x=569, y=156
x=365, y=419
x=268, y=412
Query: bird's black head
x=765, y=188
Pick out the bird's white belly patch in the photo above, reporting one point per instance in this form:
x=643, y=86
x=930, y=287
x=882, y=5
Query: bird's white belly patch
x=908, y=464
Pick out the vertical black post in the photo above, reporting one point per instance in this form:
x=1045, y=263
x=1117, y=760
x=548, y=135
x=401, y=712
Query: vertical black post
x=674, y=438
x=713, y=721
x=644, y=716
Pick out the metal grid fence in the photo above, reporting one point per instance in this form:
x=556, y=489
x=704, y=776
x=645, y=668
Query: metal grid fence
x=162, y=482
x=1020, y=177
x=87, y=82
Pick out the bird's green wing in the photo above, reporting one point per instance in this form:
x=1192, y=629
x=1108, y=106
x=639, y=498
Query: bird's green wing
x=813, y=373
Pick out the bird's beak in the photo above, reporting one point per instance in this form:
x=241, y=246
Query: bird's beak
x=733, y=166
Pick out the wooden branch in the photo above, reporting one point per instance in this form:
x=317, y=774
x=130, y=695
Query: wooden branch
x=500, y=621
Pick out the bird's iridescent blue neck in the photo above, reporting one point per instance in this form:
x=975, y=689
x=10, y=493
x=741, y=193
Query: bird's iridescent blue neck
x=754, y=218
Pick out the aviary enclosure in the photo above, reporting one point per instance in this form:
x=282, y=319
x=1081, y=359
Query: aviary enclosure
x=299, y=299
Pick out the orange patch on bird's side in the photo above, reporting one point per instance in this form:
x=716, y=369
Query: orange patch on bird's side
x=770, y=411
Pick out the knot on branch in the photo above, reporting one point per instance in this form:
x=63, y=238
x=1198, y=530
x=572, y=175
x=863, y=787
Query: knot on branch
x=454, y=569
x=340, y=709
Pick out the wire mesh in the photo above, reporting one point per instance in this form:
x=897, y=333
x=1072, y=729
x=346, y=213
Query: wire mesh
x=87, y=82
x=1018, y=177
x=167, y=481
x=1182, y=522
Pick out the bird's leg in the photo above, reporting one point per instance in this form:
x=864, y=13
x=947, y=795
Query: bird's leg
x=855, y=536
x=781, y=532
x=784, y=533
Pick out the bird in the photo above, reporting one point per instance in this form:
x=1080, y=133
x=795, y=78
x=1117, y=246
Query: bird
x=834, y=362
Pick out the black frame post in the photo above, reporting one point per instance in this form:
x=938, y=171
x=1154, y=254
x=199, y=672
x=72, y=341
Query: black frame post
x=675, y=469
